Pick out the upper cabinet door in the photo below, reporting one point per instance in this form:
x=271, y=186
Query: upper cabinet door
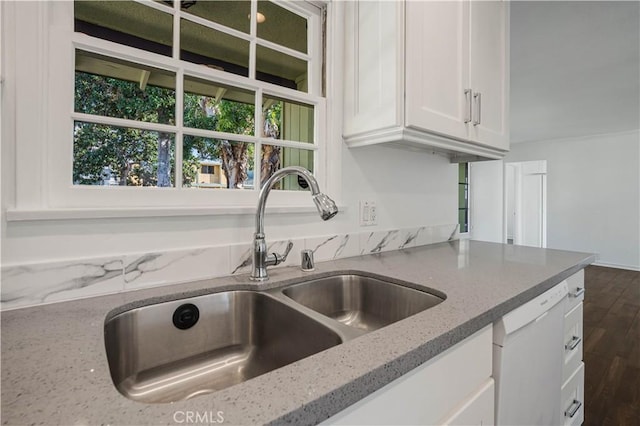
x=489, y=73
x=437, y=67
x=373, y=53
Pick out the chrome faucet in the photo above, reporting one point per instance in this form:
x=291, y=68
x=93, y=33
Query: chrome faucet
x=325, y=205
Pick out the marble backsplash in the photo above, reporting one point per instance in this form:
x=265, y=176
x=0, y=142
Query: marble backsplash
x=39, y=283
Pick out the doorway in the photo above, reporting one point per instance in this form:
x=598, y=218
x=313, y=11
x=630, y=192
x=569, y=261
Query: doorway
x=526, y=203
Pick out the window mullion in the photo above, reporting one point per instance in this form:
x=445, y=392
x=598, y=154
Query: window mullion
x=179, y=124
x=290, y=144
x=176, y=31
x=283, y=49
x=215, y=26
x=179, y=98
x=123, y=122
x=257, y=151
x=253, y=32
x=158, y=6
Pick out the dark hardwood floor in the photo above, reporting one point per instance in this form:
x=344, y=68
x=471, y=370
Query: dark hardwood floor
x=612, y=347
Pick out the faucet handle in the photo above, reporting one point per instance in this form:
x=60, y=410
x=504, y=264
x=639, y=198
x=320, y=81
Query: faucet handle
x=306, y=261
x=279, y=258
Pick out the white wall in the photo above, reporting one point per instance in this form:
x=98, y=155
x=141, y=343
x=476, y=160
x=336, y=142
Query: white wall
x=593, y=194
x=487, y=205
x=411, y=189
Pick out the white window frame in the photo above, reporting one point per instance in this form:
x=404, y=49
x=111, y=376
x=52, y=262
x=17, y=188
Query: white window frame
x=44, y=71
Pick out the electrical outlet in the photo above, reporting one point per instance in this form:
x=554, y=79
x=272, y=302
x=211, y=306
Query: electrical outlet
x=368, y=213
x=373, y=213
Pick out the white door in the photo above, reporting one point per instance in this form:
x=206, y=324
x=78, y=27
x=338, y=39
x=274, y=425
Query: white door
x=530, y=223
x=532, y=194
x=436, y=60
x=489, y=73
x=510, y=200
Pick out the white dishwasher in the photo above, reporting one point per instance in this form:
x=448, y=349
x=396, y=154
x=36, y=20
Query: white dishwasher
x=527, y=361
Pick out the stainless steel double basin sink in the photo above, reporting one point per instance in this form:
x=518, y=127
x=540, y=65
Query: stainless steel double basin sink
x=179, y=349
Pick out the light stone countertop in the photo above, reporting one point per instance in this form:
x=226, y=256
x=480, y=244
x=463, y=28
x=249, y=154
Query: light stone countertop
x=55, y=371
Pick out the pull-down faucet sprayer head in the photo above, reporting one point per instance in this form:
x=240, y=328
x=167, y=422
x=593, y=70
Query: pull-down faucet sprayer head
x=325, y=205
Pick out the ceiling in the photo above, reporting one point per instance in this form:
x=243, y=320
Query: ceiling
x=575, y=69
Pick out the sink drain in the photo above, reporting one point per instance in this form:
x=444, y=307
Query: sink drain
x=186, y=316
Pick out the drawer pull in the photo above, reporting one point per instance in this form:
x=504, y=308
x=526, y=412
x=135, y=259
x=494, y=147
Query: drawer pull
x=573, y=409
x=575, y=341
x=578, y=292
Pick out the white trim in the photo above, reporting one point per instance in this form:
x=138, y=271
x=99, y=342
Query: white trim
x=617, y=266
x=253, y=30
x=284, y=50
x=579, y=138
x=179, y=136
x=406, y=138
x=215, y=26
x=120, y=51
x=123, y=122
x=290, y=144
x=30, y=83
x=123, y=213
x=158, y=6
x=212, y=134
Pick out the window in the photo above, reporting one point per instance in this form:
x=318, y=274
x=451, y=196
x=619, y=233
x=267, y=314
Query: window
x=162, y=90
x=463, y=197
x=207, y=170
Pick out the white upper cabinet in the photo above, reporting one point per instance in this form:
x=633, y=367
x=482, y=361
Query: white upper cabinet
x=489, y=72
x=437, y=67
x=428, y=74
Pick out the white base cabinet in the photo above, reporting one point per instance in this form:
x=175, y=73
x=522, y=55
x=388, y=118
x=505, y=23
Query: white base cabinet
x=573, y=398
x=572, y=403
x=457, y=386
x=453, y=388
x=429, y=74
x=477, y=410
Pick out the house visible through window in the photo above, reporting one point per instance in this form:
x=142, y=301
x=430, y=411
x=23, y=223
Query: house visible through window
x=166, y=94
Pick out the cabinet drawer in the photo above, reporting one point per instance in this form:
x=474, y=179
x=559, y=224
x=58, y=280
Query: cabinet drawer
x=576, y=290
x=427, y=393
x=572, y=341
x=479, y=409
x=573, y=398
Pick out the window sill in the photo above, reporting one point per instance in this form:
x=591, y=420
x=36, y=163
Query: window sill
x=13, y=215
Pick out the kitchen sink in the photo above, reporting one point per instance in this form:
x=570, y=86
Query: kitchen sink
x=361, y=302
x=176, y=350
